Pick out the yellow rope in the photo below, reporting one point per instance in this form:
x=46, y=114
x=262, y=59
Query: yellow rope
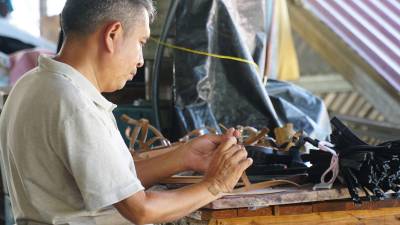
x=206, y=53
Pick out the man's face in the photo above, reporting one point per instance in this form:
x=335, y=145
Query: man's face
x=128, y=56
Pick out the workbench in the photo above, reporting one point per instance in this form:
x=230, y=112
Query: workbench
x=300, y=206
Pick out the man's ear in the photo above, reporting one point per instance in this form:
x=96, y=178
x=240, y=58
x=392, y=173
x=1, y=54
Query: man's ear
x=112, y=34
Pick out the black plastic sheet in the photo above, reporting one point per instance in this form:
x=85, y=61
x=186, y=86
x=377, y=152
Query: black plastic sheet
x=300, y=107
x=232, y=91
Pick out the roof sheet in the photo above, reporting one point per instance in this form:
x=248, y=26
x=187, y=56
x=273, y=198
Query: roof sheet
x=370, y=27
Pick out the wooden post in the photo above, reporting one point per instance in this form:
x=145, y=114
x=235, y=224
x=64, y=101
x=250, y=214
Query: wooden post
x=43, y=8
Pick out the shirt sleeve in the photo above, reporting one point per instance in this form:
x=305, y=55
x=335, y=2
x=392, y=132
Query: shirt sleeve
x=97, y=157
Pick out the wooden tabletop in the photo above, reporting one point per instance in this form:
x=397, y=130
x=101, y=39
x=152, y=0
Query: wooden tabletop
x=299, y=206
x=278, y=196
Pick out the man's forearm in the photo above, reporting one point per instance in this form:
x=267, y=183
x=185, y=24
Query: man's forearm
x=167, y=205
x=226, y=167
x=152, y=170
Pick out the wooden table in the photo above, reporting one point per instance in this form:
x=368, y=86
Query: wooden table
x=296, y=206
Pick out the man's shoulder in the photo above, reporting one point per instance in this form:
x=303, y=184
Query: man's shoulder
x=48, y=89
x=38, y=79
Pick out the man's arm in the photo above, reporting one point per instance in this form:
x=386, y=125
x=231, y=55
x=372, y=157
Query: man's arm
x=226, y=167
x=194, y=155
x=157, y=207
x=150, y=171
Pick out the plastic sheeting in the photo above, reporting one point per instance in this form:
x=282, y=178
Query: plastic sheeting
x=211, y=90
x=300, y=107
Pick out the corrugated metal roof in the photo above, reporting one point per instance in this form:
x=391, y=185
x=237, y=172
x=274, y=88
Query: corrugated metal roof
x=370, y=27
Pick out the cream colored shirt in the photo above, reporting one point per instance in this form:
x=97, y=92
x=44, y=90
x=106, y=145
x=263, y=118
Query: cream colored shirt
x=63, y=157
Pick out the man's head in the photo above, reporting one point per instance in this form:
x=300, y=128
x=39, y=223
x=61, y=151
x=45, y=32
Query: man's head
x=113, y=32
x=83, y=17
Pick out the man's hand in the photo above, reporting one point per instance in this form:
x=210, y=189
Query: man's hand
x=228, y=164
x=198, y=152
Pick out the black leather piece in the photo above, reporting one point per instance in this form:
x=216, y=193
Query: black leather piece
x=370, y=168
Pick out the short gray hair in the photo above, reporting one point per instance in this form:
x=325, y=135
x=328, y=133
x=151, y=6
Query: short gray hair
x=85, y=16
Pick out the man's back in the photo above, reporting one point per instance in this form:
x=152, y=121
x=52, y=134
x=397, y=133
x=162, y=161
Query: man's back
x=39, y=125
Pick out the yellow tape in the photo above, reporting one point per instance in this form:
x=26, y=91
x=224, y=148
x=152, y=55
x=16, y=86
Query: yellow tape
x=206, y=53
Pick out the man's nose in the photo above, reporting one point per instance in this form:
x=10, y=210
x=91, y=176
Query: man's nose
x=141, y=61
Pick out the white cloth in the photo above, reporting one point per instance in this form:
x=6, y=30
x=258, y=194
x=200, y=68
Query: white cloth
x=61, y=152
x=333, y=167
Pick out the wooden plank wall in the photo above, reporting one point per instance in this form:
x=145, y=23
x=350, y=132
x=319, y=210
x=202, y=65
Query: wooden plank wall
x=342, y=100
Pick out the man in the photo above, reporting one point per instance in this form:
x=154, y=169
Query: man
x=62, y=155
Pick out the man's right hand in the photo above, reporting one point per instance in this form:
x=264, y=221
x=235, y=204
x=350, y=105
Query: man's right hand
x=228, y=164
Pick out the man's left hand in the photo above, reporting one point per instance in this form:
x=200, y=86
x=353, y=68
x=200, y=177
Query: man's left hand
x=198, y=152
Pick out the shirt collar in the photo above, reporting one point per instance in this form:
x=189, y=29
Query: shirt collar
x=77, y=79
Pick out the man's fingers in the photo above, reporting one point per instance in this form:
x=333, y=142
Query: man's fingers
x=236, y=133
x=231, y=152
x=225, y=155
x=239, y=155
x=227, y=144
x=245, y=164
x=229, y=132
x=232, y=132
x=216, y=139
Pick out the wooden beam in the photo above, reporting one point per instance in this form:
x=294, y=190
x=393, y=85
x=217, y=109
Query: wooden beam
x=323, y=83
x=347, y=62
x=370, y=128
x=380, y=216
